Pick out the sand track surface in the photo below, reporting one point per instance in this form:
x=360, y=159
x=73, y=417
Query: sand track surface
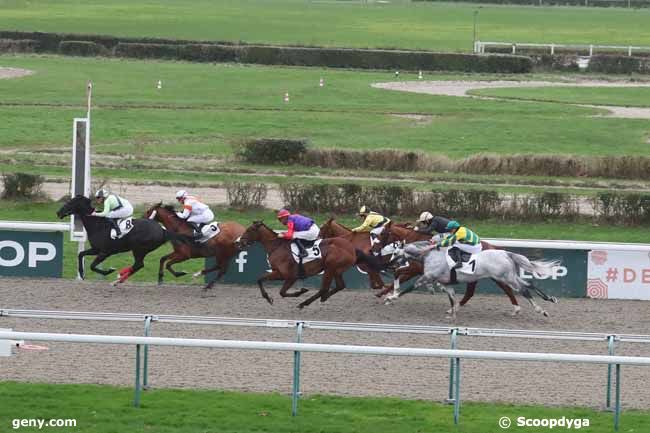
x=515, y=382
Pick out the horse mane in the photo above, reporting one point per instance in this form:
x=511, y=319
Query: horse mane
x=168, y=207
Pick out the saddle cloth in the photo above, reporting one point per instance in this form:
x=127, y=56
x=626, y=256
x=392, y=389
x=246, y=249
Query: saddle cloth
x=313, y=251
x=469, y=262
x=209, y=231
x=125, y=225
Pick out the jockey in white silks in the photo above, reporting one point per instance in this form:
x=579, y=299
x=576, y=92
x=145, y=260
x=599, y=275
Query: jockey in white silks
x=115, y=208
x=195, y=212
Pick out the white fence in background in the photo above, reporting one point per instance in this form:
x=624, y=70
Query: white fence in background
x=479, y=47
x=300, y=326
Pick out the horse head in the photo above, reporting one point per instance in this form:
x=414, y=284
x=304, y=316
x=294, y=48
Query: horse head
x=78, y=205
x=385, y=237
x=326, y=230
x=152, y=212
x=252, y=234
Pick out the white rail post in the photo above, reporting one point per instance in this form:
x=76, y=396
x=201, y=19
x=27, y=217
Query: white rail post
x=610, y=352
x=617, y=412
x=450, y=398
x=591, y=50
x=145, y=367
x=296, y=371
x=457, y=393
x=136, y=399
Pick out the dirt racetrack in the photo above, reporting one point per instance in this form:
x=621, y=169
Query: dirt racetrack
x=515, y=382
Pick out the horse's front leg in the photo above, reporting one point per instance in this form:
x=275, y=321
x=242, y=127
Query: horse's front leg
x=94, y=266
x=273, y=275
x=80, y=260
x=451, y=293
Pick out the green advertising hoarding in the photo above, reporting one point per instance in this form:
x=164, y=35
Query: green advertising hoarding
x=569, y=278
x=31, y=254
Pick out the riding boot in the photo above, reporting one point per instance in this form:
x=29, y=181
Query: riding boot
x=196, y=231
x=455, y=255
x=302, y=252
x=116, y=226
x=301, y=269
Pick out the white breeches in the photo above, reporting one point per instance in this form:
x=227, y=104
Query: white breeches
x=124, y=212
x=472, y=249
x=377, y=230
x=308, y=235
x=203, y=218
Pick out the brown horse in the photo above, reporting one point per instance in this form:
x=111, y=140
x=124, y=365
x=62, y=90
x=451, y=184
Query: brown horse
x=221, y=247
x=360, y=240
x=397, y=233
x=337, y=256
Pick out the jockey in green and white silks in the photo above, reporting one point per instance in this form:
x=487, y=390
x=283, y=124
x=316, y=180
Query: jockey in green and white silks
x=115, y=208
x=460, y=238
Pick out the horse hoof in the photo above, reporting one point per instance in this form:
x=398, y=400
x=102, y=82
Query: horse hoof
x=180, y=274
x=269, y=300
x=115, y=283
x=196, y=274
x=545, y=314
x=554, y=300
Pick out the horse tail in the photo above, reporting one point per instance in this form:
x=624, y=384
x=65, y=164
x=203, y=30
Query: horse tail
x=175, y=237
x=373, y=262
x=543, y=268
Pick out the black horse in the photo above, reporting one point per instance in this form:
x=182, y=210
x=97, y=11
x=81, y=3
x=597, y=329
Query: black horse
x=146, y=236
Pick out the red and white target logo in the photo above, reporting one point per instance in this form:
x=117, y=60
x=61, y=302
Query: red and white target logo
x=596, y=288
x=599, y=257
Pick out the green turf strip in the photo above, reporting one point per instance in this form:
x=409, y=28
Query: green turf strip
x=104, y=409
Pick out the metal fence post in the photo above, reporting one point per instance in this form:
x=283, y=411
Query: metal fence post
x=617, y=412
x=610, y=352
x=145, y=367
x=136, y=400
x=296, y=372
x=457, y=386
x=450, y=398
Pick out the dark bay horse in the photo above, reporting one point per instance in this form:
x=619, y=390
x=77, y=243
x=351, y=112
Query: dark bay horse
x=360, y=240
x=145, y=237
x=337, y=256
x=221, y=247
x=396, y=233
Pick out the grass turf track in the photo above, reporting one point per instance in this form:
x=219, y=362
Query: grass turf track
x=203, y=109
x=104, y=409
x=400, y=23
x=27, y=211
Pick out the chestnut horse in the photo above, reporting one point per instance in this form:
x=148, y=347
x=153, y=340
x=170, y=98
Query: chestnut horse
x=337, y=256
x=360, y=241
x=221, y=247
x=396, y=233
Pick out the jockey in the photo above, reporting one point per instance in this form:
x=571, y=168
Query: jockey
x=373, y=222
x=115, y=208
x=299, y=228
x=196, y=213
x=429, y=224
x=462, y=239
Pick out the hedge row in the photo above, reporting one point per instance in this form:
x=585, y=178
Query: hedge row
x=401, y=201
x=200, y=51
x=18, y=46
x=82, y=48
x=590, y=3
x=282, y=151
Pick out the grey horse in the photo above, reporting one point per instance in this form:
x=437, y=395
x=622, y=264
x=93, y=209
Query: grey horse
x=499, y=265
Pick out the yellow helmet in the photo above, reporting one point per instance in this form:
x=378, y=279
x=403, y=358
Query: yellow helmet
x=364, y=210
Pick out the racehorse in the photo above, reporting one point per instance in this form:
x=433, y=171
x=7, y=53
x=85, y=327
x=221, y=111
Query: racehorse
x=221, y=247
x=393, y=233
x=360, y=240
x=144, y=237
x=336, y=256
x=499, y=265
